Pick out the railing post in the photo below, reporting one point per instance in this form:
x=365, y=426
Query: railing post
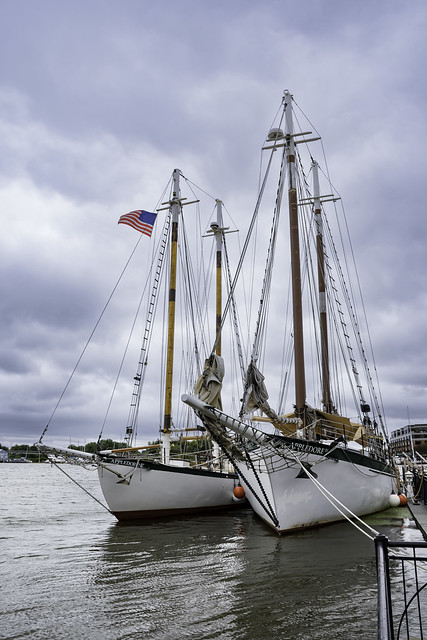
x=385, y=617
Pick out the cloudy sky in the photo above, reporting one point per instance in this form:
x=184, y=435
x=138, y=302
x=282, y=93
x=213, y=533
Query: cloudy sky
x=100, y=100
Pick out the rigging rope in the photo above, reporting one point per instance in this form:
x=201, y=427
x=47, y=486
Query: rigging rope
x=146, y=341
x=81, y=486
x=234, y=312
x=243, y=253
x=89, y=339
x=94, y=329
x=333, y=500
x=266, y=285
x=376, y=401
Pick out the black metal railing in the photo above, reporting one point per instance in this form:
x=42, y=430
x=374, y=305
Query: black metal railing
x=402, y=589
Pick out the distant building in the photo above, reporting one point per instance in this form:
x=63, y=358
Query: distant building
x=409, y=438
x=4, y=455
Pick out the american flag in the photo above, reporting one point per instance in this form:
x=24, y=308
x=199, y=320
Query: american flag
x=140, y=220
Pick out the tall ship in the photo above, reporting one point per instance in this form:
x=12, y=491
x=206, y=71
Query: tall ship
x=325, y=457
x=183, y=471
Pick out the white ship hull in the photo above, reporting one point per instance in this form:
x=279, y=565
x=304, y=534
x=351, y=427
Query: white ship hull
x=297, y=484
x=287, y=499
x=136, y=490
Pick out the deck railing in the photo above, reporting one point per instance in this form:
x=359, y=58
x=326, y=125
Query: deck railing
x=402, y=589
x=420, y=486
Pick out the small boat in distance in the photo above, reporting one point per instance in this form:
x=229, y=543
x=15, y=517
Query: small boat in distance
x=160, y=479
x=309, y=465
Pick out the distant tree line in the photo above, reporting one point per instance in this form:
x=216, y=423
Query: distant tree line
x=32, y=453
x=102, y=445
x=190, y=447
x=23, y=451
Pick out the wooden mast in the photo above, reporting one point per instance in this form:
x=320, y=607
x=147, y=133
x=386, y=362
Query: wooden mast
x=324, y=345
x=175, y=206
x=300, y=390
x=218, y=234
x=218, y=231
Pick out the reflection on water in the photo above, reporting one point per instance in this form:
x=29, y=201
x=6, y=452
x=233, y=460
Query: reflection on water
x=229, y=577
x=72, y=572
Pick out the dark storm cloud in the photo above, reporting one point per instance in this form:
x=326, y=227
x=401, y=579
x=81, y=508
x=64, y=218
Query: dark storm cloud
x=99, y=101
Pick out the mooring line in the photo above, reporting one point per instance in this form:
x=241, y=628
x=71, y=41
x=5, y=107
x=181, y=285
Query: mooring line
x=331, y=498
x=79, y=485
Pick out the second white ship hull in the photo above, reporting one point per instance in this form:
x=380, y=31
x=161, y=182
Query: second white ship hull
x=135, y=489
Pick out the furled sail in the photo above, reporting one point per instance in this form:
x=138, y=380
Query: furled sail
x=256, y=397
x=209, y=385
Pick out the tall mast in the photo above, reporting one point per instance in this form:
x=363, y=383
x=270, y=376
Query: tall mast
x=324, y=346
x=300, y=391
x=175, y=206
x=218, y=233
x=218, y=230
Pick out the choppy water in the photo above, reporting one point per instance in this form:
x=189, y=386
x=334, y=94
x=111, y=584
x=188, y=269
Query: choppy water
x=69, y=571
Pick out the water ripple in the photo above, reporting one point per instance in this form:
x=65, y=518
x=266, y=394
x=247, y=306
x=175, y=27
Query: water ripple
x=69, y=571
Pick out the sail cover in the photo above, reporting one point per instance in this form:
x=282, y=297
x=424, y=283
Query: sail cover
x=208, y=386
x=256, y=394
x=256, y=397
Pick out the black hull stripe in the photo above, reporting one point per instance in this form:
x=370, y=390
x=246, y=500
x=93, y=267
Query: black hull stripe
x=158, y=466
x=340, y=453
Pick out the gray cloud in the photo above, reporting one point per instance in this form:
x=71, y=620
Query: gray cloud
x=99, y=102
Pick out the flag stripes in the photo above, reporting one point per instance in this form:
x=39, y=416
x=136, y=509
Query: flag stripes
x=140, y=220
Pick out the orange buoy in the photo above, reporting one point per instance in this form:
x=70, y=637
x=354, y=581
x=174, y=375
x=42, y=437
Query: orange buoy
x=403, y=500
x=239, y=492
